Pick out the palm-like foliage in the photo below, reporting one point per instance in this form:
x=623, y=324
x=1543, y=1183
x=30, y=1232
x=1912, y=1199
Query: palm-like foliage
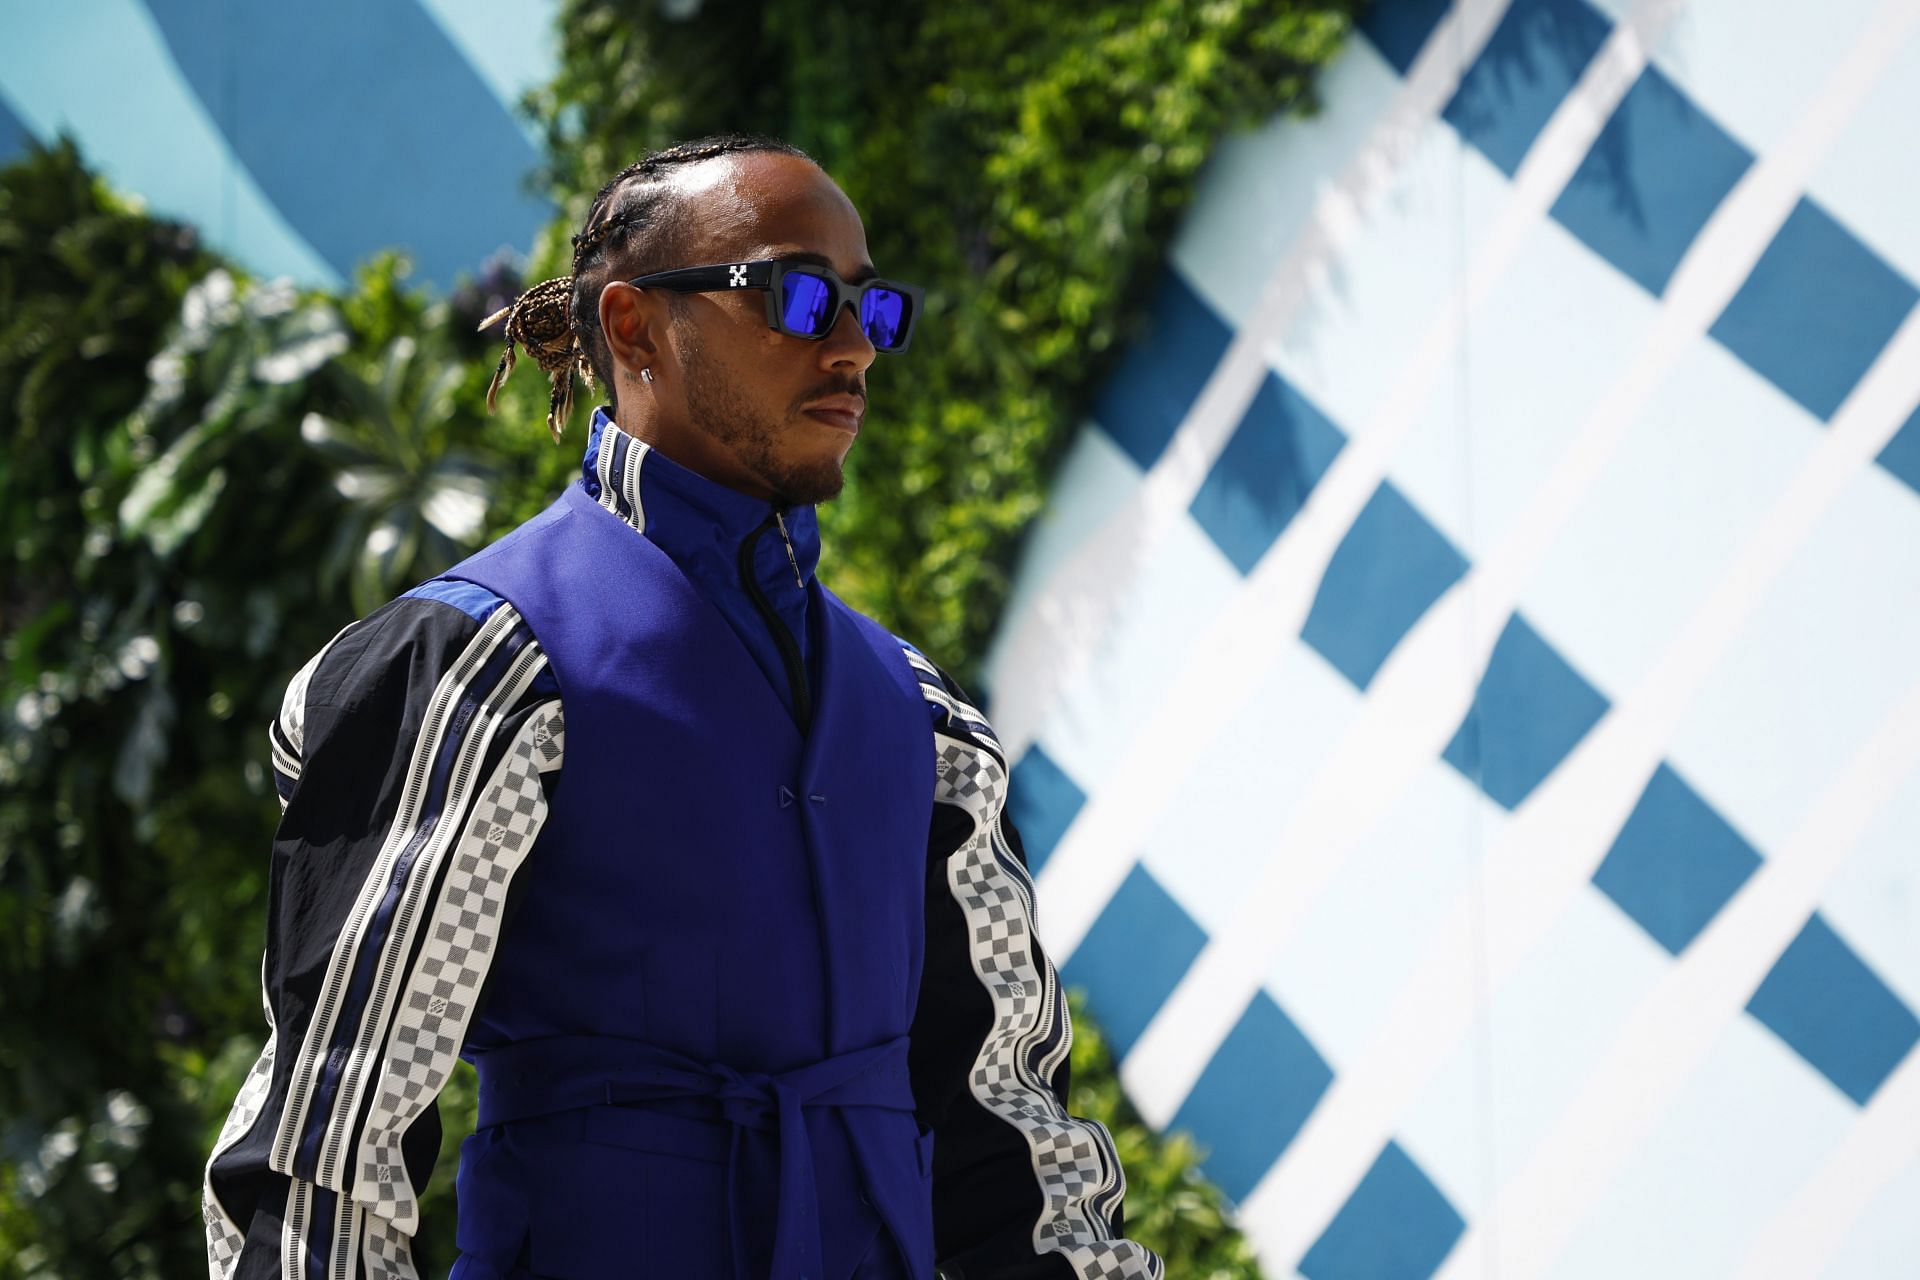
x=414, y=501
x=165, y=517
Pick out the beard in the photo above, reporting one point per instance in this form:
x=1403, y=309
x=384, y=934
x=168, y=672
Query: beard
x=717, y=408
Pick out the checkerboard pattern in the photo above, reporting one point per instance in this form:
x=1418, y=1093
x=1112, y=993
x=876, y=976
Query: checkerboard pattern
x=970, y=778
x=439, y=1000
x=1535, y=898
x=224, y=1239
x=1081, y=1180
x=388, y=1252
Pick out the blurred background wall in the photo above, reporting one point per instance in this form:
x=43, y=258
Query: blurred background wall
x=300, y=141
x=1466, y=682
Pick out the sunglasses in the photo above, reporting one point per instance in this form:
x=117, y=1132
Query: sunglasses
x=804, y=301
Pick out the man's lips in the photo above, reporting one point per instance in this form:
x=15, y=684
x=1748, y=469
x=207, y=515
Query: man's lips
x=844, y=412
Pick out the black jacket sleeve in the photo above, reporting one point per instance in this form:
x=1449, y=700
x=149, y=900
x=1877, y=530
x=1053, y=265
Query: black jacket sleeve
x=412, y=757
x=1022, y=1190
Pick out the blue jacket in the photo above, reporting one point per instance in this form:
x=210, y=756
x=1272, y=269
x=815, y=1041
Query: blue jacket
x=753, y=984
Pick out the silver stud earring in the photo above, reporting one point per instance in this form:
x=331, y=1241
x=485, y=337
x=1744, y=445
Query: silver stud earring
x=646, y=375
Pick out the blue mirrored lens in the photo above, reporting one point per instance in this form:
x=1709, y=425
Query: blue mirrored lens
x=803, y=306
x=883, y=315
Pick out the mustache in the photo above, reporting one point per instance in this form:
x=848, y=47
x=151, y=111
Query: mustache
x=856, y=387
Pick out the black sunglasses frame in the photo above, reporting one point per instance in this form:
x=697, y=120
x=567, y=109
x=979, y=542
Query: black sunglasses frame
x=767, y=273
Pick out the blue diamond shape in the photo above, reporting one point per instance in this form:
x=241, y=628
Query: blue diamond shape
x=1133, y=957
x=1655, y=174
x=1901, y=456
x=1675, y=863
x=1262, y=477
x=1529, y=63
x=1042, y=802
x=1817, y=310
x=1835, y=1012
x=1400, y=30
x=1392, y=565
x=1162, y=371
x=1395, y=1226
x=1257, y=1091
x=1531, y=709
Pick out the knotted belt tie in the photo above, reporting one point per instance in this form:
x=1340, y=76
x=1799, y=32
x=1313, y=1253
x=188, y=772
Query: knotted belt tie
x=566, y=1073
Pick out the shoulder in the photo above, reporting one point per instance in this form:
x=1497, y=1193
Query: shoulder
x=441, y=630
x=443, y=644
x=952, y=709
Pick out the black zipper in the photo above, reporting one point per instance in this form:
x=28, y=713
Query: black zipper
x=782, y=638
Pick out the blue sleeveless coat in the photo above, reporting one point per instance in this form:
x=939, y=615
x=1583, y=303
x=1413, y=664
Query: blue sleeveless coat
x=693, y=1047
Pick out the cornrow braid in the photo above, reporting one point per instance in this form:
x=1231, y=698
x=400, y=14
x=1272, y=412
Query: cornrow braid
x=558, y=320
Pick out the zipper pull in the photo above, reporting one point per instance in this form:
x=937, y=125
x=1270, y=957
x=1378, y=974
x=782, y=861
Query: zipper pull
x=792, y=559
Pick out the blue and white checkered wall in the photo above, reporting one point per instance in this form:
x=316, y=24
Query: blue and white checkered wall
x=1465, y=693
x=298, y=138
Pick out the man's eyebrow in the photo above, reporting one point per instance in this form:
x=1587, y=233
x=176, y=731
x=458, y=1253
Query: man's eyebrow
x=866, y=271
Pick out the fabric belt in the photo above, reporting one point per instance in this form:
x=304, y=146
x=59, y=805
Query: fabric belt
x=536, y=1078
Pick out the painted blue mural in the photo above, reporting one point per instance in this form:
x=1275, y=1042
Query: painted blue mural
x=1466, y=688
x=300, y=139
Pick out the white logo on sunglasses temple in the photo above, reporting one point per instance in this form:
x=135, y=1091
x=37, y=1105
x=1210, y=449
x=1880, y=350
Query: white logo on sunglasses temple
x=736, y=277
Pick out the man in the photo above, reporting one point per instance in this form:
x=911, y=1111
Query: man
x=751, y=984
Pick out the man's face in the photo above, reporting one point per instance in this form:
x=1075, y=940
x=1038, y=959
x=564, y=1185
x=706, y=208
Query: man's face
x=780, y=412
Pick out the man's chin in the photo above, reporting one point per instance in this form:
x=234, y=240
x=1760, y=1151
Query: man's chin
x=811, y=485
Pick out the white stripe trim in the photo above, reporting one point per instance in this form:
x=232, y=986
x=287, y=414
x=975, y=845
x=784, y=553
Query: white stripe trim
x=292, y=720
x=310, y=1065
x=293, y=1230
x=936, y=693
x=625, y=486
x=637, y=452
x=343, y=1255
x=299, y=1225
x=603, y=471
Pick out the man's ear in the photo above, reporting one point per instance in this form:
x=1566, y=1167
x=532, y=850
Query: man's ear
x=634, y=322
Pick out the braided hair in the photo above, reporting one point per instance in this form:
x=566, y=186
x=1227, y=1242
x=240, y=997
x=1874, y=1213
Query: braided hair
x=558, y=320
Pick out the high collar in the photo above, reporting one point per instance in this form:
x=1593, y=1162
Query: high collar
x=699, y=523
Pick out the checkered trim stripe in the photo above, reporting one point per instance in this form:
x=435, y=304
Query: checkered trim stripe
x=971, y=778
x=386, y=1251
x=1081, y=1181
x=224, y=1237
x=438, y=1001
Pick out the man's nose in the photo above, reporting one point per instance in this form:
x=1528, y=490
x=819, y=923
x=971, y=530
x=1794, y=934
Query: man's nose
x=847, y=342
